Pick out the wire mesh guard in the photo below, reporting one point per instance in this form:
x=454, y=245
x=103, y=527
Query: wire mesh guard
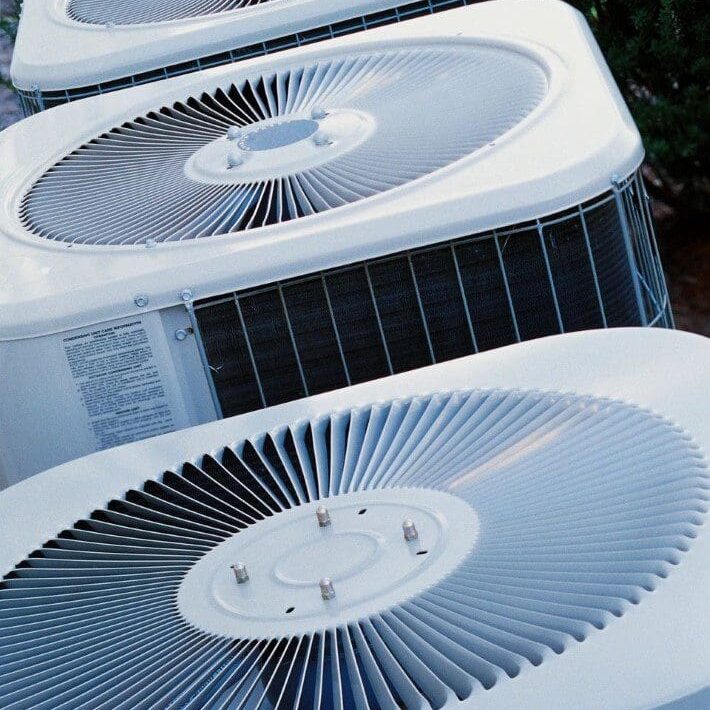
x=595, y=266
x=130, y=12
x=585, y=506
x=130, y=185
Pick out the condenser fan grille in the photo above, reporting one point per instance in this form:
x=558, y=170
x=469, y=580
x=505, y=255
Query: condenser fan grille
x=130, y=12
x=584, y=506
x=378, y=121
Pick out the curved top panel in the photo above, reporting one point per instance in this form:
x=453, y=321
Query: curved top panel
x=282, y=146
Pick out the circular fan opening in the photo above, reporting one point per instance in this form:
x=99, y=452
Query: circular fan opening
x=583, y=507
x=284, y=145
x=136, y=12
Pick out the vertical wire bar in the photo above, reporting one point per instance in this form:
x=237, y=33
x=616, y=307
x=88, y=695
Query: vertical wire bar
x=336, y=330
x=616, y=189
x=247, y=339
x=641, y=245
x=190, y=308
x=463, y=298
x=648, y=274
x=549, y=276
x=653, y=261
x=670, y=321
x=293, y=340
x=507, y=286
x=379, y=320
x=421, y=309
x=24, y=105
x=39, y=98
x=593, y=265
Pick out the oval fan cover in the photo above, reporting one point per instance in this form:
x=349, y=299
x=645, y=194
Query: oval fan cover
x=582, y=505
x=135, y=12
x=312, y=138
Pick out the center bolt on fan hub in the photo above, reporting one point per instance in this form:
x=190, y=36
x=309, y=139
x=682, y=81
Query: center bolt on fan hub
x=323, y=516
x=240, y=573
x=410, y=530
x=354, y=561
x=327, y=590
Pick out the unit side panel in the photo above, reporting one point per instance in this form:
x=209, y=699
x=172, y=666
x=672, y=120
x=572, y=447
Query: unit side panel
x=81, y=391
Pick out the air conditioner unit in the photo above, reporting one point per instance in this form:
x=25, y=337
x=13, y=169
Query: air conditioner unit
x=71, y=49
x=213, y=244
x=526, y=528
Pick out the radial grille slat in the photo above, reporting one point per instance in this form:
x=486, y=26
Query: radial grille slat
x=586, y=505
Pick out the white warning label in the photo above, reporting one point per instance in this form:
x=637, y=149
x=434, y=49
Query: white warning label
x=118, y=379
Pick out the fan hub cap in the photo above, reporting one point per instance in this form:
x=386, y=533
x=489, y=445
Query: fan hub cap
x=363, y=552
x=272, y=135
x=277, y=147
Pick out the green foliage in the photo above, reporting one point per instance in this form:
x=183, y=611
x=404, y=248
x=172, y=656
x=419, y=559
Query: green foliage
x=9, y=17
x=657, y=50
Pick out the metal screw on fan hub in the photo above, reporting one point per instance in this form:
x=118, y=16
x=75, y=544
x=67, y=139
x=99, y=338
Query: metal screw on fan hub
x=327, y=590
x=240, y=573
x=323, y=516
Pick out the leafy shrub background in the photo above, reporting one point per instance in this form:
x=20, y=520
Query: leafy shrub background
x=9, y=17
x=657, y=50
